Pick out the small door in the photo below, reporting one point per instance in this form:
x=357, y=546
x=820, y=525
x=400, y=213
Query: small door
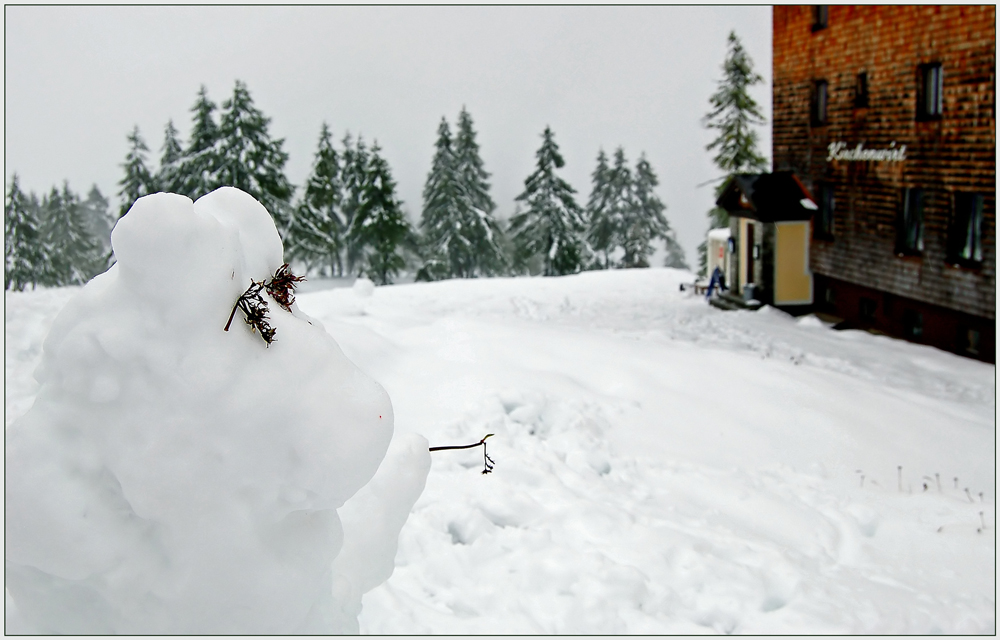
x=792, y=279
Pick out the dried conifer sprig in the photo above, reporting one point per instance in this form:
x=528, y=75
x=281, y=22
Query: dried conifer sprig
x=281, y=287
x=487, y=460
x=254, y=307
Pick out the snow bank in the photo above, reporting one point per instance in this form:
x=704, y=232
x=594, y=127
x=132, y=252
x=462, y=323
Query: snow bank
x=175, y=478
x=663, y=467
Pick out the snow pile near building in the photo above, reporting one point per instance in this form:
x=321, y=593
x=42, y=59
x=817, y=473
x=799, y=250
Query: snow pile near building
x=172, y=477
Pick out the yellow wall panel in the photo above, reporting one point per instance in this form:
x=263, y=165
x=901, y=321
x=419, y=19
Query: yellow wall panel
x=792, y=279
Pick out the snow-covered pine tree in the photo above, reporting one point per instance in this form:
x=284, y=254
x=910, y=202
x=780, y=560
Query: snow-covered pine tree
x=478, y=226
x=443, y=246
x=168, y=176
x=354, y=175
x=675, y=257
x=250, y=160
x=318, y=228
x=646, y=220
x=600, y=231
x=138, y=180
x=552, y=222
x=23, y=255
x=379, y=225
x=74, y=255
x=54, y=272
x=733, y=113
x=99, y=217
x=197, y=171
x=622, y=210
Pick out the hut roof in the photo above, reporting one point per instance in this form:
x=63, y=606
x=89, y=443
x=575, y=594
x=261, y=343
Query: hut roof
x=767, y=197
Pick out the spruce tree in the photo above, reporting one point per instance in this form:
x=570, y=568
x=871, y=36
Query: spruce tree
x=354, y=176
x=23, y=255
x=55, y=271
x=318, y=230
x=138, y=180
x=74, y=255
x=99, y=217
x=622, y=209
x=675, y=252
x=197, y=170
x=733, y=113
x=600, y=231
x=646, y=220
x=379, y=225
x=168, y=176
x=479, y=229
x=444, y=248
x=552, y=222
x=250, y=160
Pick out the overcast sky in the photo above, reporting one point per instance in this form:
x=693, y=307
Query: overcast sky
x=79, y=78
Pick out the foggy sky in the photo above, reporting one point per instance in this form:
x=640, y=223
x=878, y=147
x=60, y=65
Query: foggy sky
x=79, y=78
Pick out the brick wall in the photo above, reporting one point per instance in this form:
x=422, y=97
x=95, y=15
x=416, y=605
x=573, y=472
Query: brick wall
x=952, y=154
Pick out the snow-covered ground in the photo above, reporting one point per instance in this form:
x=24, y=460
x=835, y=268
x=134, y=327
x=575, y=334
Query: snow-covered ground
x=661, y=466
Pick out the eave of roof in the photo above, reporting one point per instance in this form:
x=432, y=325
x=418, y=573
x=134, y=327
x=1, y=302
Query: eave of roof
x=767, y=197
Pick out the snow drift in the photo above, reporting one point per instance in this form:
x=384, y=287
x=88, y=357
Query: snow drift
x=175, y=478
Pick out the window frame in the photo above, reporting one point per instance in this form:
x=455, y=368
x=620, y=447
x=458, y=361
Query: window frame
x=820, y=103
x=867, y=310
x=913, y=324
x=826, y=207
x=930, y=96
x=910, y=223
x=965, y=233
x=861, y=97
x=821, y=17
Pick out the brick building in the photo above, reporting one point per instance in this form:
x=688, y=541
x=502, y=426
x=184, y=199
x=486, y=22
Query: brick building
x=887, y=115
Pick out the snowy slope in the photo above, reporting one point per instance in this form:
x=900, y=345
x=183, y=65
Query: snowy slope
x=661, y=466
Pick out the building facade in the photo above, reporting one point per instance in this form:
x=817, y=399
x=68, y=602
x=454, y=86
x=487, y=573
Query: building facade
x=887, y=114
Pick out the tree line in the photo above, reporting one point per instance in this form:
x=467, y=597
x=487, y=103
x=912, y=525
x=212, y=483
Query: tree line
x=56, y=240
x=346, y=218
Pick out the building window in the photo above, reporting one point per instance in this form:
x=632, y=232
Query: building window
x=824, y=213
x=969, y=340
x=910, y=229
x=820, y=15
x=866, y=310
x=819, y=102
x=930, y=96
x=861, y=90
x=965, y=238
x=913, y=324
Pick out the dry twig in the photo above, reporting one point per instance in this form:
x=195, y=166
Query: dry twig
x=487, y=460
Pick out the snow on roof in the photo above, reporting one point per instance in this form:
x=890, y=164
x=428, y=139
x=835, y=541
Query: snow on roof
x=719, y=234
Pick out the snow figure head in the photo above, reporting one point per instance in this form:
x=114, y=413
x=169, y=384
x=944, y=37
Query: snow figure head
x=173, y=477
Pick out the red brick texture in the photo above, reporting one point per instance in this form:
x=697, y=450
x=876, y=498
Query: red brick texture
x=944, y=156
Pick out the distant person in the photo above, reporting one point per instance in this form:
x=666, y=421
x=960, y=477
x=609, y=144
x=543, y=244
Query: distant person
x=718, y=280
